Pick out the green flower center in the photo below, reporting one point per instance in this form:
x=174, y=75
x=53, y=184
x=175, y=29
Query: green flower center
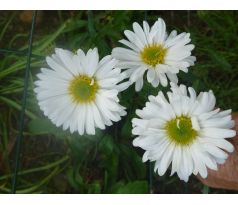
x=180, y=130
x=153, y=54
x=83, y=89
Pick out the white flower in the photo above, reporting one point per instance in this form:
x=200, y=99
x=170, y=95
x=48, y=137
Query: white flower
x=185, y=131
x=79, y=92
x=152, y=50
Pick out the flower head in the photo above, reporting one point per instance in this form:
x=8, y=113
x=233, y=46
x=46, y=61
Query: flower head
x=152, y=50
x=79, y=92
x=183, y=130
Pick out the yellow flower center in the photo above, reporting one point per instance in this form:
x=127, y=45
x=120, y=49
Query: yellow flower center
x=83, y=89
x=180, y=130
x=153, y=54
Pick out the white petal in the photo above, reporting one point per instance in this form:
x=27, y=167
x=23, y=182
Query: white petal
x=97, y=117
x=58, y=68
x=172, y=77
x=215, y=151
x=139, y=84
x=138, y=73
x=82, y=119
x=166, y=160
x=163, y=79
x=161, y=32
x=132, y=37
x=140, y=33
x=150, y=75
x=66, y=57
x=92, y=62
x=125, y=54
x=90, y=129
x=218, y=132
x=176, y=159
x=130, y=45
x=146, y=28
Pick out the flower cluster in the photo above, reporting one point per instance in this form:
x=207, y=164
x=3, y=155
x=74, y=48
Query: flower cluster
x=179, y=128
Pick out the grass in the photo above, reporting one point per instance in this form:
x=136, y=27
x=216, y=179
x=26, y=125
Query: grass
x=54, y=161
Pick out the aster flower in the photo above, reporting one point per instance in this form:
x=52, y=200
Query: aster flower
x=79, y=92
x=152, y=50
x=184, y=130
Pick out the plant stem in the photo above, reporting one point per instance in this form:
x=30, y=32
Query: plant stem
x=22, y=115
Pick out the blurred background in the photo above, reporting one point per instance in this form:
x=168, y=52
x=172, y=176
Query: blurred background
x=54, y=161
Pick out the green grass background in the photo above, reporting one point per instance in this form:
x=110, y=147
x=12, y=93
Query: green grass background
x=54, y=161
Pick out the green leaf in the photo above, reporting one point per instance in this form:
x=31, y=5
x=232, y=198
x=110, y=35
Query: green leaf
x=91, y=28
x=136, y=187
x=107, y=144
x=16, y=106
x=205, y=189
x=41, y=126
x=220, y=60
x=111, y=164
x=133, y=166
x=126, y=128
x=75, y=179
x=94, y=188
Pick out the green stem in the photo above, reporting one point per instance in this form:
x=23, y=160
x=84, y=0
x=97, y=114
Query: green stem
x=6, y=25
x=22, y=114
x=38, y=169
x=17, y=106
x=35, y=187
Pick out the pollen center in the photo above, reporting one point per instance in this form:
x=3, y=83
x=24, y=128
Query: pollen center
x=83, y=89
x=180, y=130
x=153, y=54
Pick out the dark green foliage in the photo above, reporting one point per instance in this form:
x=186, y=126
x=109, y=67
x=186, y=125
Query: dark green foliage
x=55, y=161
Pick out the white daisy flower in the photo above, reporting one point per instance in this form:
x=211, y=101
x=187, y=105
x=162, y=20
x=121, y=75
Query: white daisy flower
x=185, y=131
x=152, y=50
x=79, y=92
